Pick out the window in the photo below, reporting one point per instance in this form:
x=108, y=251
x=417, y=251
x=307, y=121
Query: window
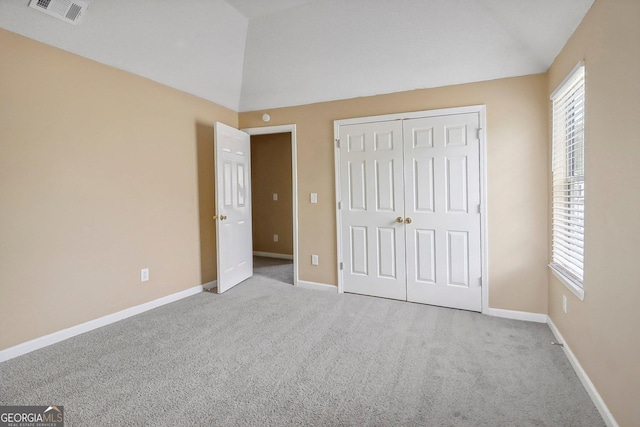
x=568, y=188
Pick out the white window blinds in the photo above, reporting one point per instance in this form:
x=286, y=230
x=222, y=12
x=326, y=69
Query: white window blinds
x=568, y=178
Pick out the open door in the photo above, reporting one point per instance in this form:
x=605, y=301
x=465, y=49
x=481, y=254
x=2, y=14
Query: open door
x=232, y=151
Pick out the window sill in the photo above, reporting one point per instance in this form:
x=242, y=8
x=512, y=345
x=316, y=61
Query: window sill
x=567, y=281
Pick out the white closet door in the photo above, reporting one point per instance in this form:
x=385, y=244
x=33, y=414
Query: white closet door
x=442, y=199
x=371, y=168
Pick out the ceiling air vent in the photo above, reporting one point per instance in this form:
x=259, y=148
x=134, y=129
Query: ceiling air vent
x=66, y=10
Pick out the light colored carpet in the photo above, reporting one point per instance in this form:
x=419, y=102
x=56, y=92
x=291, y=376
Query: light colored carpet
x=274, y=268
x=267, y=353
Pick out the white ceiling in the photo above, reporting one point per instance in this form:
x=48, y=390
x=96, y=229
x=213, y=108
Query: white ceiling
x=196, y=46
x=252, y=8
x=259, y=54
x=332, y=49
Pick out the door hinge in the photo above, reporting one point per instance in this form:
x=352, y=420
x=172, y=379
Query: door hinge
x=341, y=266
x=479, y=208
x=338, y=142
x=480, y=281
x=339, y=205
x=478, y=133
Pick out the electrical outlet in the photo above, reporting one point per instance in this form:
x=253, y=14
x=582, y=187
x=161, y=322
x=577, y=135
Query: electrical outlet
x=564, y=304
x=314, y=197
x=275, y=237
x=275, y=197
x=144, y=275
x=314, y=259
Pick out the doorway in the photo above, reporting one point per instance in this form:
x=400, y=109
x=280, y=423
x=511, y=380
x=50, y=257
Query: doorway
x=274, y=202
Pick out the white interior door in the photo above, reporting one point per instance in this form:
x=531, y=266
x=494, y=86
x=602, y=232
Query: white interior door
x=442, y=209
x=234, y=244
x=410, y=209
x=372, y=200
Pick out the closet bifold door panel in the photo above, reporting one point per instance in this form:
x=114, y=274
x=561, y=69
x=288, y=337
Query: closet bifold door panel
x=409, y=209
x=372, y=201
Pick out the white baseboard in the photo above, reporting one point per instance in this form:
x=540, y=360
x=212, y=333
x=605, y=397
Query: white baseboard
x=606, y=415
x=64, y=334
x=272, y=255
x=317, y=286
x=516, y=315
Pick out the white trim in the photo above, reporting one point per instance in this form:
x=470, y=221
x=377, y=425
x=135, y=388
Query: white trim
x=481, y=110
x=484, y=218
x=571, y=76
x=606, y=415
x=577, y=290
x=317, y=286
x=338, y=191
x=408, y=115
x=64, y=334
x=272, y=255
x=516, y=315
x=266, y=130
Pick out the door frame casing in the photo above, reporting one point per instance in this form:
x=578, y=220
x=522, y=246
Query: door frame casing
x=481, y=111
x=266, y=130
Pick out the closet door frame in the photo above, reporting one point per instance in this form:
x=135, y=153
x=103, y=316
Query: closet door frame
x=481, y=111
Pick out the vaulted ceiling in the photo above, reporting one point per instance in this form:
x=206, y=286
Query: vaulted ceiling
x=257, y=54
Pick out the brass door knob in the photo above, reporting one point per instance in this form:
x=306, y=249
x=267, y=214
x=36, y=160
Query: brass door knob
x=408, y=220
x=400, y=219
x=215, y=217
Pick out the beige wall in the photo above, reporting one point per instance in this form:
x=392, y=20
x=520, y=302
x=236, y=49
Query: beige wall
x=603, y=331
x=271, y=173
x=98, y=179
x=517, y=178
